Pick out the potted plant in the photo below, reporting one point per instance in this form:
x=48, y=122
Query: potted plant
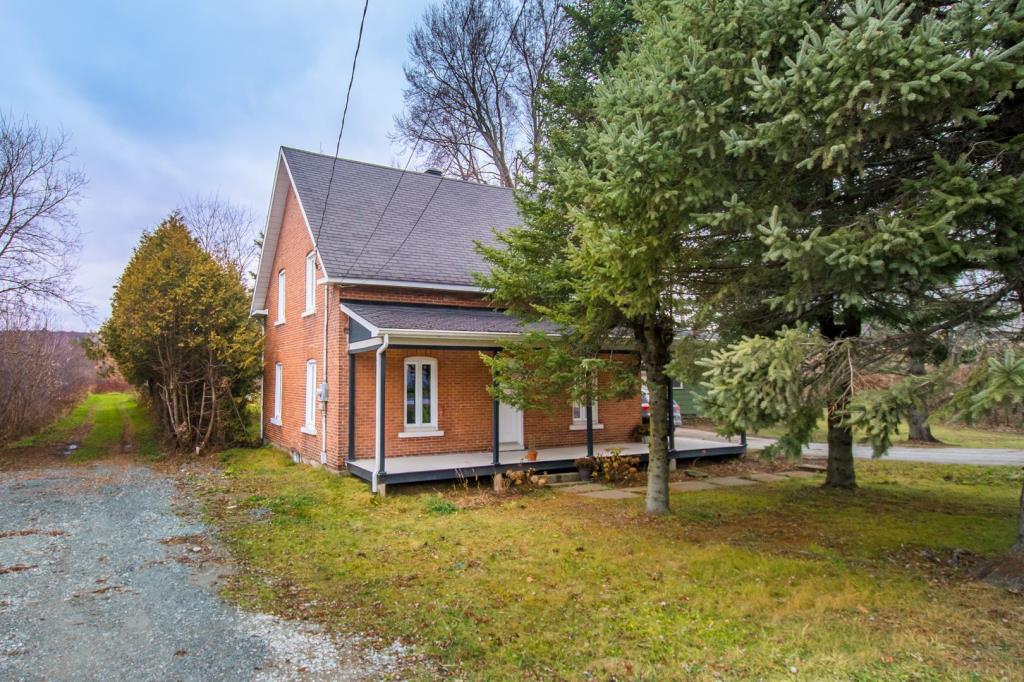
x=585, y=465
x=531, y=453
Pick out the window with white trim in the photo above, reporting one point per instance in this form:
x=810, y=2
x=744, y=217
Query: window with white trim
x=420, y=393
x=676, y=383
x=311, y=282
x=579, y=414
x=278, y=376
x=579, y=410
x=280, y=297
x=310, y=420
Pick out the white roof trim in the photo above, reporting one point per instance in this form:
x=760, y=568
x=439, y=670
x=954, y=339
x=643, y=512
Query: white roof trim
x=272, y=231
x=368, y=325
x=434, y=286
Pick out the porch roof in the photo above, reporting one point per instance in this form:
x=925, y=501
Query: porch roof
x=436, y=321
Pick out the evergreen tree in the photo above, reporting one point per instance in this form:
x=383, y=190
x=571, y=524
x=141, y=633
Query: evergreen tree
x=180, y=331
x=804, y=170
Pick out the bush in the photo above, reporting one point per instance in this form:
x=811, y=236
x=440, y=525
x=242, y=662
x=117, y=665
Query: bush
x=614, y=468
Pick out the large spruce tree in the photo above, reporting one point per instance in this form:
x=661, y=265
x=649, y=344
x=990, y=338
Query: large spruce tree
x=803, y=171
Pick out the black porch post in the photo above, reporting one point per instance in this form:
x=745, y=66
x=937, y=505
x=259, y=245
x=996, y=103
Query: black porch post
x=495, y=410
x=590, y=429
x=671, y=418
x=495, y=420
x=351, y=407
x=383, y=422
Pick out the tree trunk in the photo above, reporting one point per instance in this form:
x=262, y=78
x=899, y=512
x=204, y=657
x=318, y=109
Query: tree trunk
x=917, y=417
x=1008, y=570
x=655, y=339
x=840, y=472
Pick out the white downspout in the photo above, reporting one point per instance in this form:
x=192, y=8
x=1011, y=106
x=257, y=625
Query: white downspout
x=323, y=422
x=263, y=376
x=379, y=427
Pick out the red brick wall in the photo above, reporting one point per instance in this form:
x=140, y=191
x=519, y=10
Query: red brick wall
x=465, y=409
x=463, y=404
x=299, y=339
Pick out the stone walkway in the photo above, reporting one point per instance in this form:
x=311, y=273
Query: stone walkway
x=603, y=492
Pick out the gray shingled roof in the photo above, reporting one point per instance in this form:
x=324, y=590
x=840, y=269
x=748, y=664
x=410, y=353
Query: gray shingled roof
x=442, y=318
x=440, y=248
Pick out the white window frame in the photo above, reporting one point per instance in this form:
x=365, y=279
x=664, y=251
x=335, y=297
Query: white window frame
x=579, y=415
x=278, y=393
x=309, y=418
x=281, y=286
x=676, y=384
x=310, y=284
x=418, y=426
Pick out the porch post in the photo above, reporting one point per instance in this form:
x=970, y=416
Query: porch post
x=495, y=413
x=381, y=430
x=495, y=410
x=590, y=429
x=351, y=407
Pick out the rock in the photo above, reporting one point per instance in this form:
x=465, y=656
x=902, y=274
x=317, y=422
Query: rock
x=695, y=473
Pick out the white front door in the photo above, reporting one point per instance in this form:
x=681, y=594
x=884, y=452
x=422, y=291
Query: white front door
x=510, y=426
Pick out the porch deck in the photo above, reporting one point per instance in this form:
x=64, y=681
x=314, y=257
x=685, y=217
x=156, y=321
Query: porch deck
x=423, y=468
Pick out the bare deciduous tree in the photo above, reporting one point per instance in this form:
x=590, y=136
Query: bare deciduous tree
x=43, y=373
x=474, y=78
x=224, y=230
x=38, y=235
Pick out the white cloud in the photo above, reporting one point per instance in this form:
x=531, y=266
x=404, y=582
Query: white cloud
x=139, y=172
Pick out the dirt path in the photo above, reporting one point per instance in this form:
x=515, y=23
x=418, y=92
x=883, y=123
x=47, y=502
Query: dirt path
x=100, y=579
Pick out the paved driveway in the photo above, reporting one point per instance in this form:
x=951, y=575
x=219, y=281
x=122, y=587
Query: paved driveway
x=101, y=580
x=938, y=455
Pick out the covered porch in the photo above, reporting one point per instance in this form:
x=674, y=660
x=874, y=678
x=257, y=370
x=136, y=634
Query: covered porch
x=450, y=429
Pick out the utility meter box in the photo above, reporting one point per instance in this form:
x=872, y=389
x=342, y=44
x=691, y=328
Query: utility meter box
x=321, y=392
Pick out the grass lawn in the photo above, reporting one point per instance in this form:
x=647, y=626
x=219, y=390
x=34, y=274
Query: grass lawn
x=99, y=424
x=950, y=434
x=781, y=580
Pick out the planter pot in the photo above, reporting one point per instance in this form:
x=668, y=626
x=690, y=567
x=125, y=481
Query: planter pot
x=585, y=474
x=531, y=456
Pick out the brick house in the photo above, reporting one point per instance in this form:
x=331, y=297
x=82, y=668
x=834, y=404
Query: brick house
x=373, y=339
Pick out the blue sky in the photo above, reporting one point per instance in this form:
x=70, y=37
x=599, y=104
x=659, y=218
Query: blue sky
x=167, y=100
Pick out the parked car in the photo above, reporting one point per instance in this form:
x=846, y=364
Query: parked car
x=645, y=409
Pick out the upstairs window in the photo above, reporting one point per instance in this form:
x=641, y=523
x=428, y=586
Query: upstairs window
x=311, y=282
x=280, y=297
x=420, y=393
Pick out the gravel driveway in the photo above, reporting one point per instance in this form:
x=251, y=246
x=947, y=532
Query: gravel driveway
x=101, y=580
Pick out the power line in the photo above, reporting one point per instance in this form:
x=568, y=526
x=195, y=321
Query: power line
x=341, y=130
x=504, y=51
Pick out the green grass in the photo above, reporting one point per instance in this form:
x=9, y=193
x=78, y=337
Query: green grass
x=734, y=583
x=99, y=424
x=950, y=434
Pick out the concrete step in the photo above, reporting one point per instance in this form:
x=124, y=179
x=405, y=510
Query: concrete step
x=565, y=478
